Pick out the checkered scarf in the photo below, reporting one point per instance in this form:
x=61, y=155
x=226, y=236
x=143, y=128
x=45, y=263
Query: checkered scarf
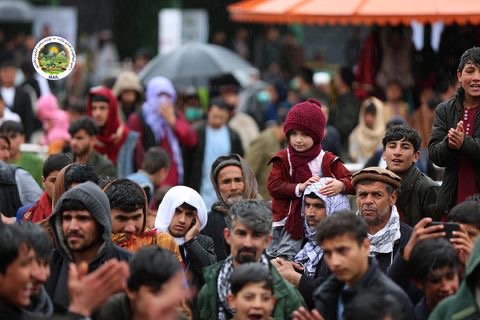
x=312, y=253
x=383, y=240
x=223, y=287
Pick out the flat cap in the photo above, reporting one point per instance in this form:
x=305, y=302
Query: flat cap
x=376, y=174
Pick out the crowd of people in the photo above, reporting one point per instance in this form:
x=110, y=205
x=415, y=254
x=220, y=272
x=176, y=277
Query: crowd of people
x=147, y=209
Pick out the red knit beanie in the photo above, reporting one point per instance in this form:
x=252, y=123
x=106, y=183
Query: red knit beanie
x=308, y=117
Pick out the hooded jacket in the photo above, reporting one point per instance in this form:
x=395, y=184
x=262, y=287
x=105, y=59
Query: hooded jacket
x=216, y=217
x=98, y=206
x=462, y=305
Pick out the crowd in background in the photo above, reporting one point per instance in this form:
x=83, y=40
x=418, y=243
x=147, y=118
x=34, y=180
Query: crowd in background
x=242, y=208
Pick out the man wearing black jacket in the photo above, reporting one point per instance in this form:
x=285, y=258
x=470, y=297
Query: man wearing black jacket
x=343, y=238
x=17, y=99
x=183, y=214
x=82, y=226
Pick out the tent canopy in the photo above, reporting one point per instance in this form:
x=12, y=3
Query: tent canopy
x=355, y=12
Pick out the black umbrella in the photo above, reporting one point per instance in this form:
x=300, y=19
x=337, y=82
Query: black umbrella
x=194, y=64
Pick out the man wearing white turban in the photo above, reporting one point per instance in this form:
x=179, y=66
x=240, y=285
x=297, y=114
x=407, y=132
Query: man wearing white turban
x=315, y=208
x=183, y=214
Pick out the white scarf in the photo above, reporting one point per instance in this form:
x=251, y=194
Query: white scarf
x=312, y=253
x=383, y=240
x=173, y=199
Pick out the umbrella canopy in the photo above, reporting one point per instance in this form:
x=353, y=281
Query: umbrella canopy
x=15, y=11
x=194, y=63
x=356, y=12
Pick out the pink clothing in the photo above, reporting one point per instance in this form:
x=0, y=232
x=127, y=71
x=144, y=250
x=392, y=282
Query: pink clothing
x=55, y=120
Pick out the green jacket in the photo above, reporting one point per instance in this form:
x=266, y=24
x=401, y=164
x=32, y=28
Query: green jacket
x=462, y=305
x=102, y=165
x=288, y=298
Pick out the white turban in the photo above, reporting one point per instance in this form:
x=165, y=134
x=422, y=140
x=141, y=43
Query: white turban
x=173, y=199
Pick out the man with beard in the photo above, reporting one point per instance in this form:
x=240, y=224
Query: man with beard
x=82, y=226
x=183, y=215
x=248, y=234
x=83, y=132
x=233, y=180
x=376, y=197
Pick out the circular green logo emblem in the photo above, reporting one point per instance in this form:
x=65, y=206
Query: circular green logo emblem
x=53, y=58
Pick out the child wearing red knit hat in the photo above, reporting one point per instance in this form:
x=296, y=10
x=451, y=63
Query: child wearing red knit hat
x=302, y=163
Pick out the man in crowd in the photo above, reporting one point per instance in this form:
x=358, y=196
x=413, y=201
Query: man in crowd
x=83, y=132
x=183, y=214
x=113, y=139
x=215, y=139
x=344, y=240
x=248, y=235
x=82, y=226
x=310, y=260
x=417, y=194
x=18, y=279
x=128, y=205
x=155, y=168
x=232, y=180
x=26, y=160
x=376, y=197
x=17, y=99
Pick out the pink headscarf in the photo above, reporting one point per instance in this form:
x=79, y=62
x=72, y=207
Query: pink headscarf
x=48, y=110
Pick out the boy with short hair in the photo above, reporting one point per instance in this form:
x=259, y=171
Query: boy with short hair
x=417, y=194
x=434, y=268
x=155, y=168
x=17, y=265
x=41, y=304
x=454, y=143
x=42, y=209
x=251, y=292
x=346, y=248
x=296, y=167
x=155, y=288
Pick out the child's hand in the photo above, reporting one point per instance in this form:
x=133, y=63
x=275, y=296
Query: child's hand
x=310, y=181
x=332, y=188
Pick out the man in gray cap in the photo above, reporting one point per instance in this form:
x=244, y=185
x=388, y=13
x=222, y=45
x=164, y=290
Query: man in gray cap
x=82, y=226
x=375, y=189
x=233, y=180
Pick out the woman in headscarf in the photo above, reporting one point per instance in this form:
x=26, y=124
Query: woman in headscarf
x=160, y=124
x=367, y=135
